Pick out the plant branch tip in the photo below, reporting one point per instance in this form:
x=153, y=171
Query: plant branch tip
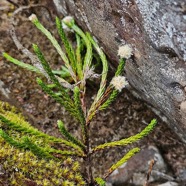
x=33, y=17
x=68, y=20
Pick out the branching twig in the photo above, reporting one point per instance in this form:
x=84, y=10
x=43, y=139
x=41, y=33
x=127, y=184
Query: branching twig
x=11, y=2
x=21, y=8
x=34, y=60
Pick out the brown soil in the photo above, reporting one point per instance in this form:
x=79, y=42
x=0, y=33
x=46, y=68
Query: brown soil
x=127, y=116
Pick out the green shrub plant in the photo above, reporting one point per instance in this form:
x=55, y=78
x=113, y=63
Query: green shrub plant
x=42, y=150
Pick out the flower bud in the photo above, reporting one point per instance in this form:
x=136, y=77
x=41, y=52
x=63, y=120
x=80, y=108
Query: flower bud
x=68, y=20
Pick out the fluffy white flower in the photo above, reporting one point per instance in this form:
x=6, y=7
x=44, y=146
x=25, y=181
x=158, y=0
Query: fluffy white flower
x=125, y=51
x=119, y=82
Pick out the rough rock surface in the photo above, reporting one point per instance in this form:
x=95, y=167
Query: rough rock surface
x=168, y=184
x=136, y=168
x=157, y=32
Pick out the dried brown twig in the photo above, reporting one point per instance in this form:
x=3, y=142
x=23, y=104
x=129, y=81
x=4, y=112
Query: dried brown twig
x=152, y=163
x=33, y=58
x=18, y=44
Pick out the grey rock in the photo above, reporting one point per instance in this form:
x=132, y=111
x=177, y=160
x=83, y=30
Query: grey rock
x=4, y=91
x=157, y=32
x=109, y=184
x=182, y=175
x=137, y=167
x=168, y=184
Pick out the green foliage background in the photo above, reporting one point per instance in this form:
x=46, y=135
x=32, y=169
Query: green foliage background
x=21, y=166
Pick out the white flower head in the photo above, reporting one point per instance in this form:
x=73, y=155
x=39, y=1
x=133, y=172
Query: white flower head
x=32, y=17
x=119, y=82
x=125, y=51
